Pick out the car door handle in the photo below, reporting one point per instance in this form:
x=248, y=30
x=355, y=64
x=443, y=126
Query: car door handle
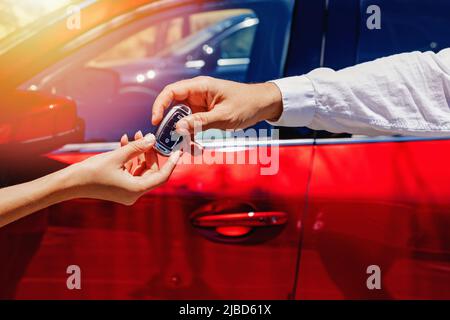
x=237, y=222
x=243, y=219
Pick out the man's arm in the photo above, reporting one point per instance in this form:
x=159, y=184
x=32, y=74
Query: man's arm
x=405, y=94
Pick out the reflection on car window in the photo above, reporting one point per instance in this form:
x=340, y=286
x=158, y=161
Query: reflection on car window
x=238, y=45
x=118, y=76
x=188, y=44
x=16, y=15
x=145, y=43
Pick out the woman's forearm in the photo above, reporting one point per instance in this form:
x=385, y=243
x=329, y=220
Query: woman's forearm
x=122, y=176
x=19, y=201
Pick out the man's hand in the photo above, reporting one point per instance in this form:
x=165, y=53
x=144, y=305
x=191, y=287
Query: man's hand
x=220, y=104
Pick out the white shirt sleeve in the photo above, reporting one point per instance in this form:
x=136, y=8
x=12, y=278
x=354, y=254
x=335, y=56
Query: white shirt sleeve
x=406, y=94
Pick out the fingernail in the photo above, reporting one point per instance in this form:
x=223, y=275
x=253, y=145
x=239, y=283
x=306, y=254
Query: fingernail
x=139, y=133
x=150, y=138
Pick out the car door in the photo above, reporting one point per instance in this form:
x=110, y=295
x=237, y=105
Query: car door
x=379, y=207
x=215, y=230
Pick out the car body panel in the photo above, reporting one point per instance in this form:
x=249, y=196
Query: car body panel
x=379, y=203
x=150, y=250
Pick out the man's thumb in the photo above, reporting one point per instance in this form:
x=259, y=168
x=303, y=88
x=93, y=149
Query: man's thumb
x=136, y=147
x=200, y=121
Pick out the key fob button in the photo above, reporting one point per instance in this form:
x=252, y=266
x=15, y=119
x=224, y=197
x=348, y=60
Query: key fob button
x=166, y=136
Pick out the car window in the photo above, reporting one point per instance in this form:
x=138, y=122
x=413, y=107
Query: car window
x=145, y=43
x=170, y=37
x=115, y=76
x=239, y=44
x=421, y=26
x=124, y=77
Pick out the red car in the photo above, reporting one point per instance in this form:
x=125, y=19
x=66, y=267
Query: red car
x=339, y=211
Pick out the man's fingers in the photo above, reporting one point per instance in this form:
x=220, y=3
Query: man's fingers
x=178, y=91
x=135, y=148
x=214, y=119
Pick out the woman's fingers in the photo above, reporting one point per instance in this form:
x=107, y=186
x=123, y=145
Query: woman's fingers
x=143, y=161
x=148, y=160
x=139, y=170
x=151, y=160
x=151, y=180
x=141, y=158
x=123, y=142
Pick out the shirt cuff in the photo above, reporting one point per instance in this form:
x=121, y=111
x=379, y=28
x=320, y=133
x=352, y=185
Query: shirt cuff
x=299, y=102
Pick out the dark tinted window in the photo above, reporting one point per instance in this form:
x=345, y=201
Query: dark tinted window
x=116, y=86
x=406, y=25
x=115, y=71
x=239, y=44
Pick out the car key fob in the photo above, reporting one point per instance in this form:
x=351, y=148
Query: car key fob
x=166, y=137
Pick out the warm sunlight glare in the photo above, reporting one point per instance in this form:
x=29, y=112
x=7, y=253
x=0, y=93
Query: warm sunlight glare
x=15, y=14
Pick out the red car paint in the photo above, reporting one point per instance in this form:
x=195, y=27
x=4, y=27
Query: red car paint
x=27, y=115
x=384, y=204
x=365, y=207
x=150, y=250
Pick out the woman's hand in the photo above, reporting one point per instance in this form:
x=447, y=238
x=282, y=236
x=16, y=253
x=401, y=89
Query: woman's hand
x=220, y=104
x=122, y=176
x=125, y=174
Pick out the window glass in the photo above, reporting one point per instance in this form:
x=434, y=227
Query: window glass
x=116, y=78
x=404, y=27
x=145, y=43
x=238, y=45
x=201, y=20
